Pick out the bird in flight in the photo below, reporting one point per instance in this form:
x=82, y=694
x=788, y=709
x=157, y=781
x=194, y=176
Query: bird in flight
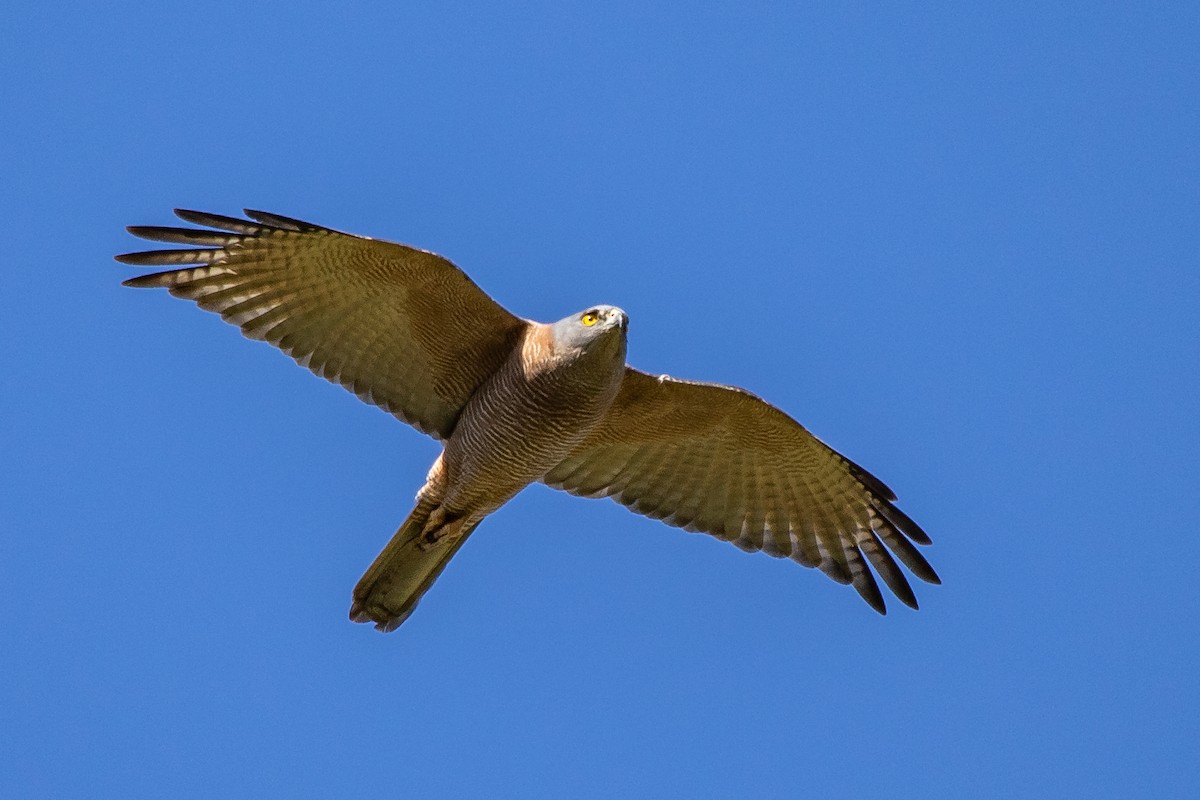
x=516, y=402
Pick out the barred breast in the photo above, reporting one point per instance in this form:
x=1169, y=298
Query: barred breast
x=525, y=419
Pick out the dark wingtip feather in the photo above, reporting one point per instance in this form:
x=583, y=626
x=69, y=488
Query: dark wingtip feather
x=905, y=595
x=905, y=550
x=888, y=569
x=280, y=221
x=144, y=258
x=874, y=599
x=834, y=571
x=218, y=221
x=868, y=480
x=159, y=233
x=868, y=589
x=167, y=258
x=904, y=522
x=155, y=280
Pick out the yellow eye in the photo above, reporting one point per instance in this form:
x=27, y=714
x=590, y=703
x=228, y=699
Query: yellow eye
x=589, y=319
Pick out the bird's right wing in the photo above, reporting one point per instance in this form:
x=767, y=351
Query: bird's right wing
x=401, y=328
x=717, y=459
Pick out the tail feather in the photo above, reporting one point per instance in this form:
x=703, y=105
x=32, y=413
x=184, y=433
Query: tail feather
x=388, y=592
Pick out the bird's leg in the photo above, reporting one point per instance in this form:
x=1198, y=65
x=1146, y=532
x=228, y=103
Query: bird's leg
x=442, y=523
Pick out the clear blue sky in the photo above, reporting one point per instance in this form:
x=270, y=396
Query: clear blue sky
x=960, y=245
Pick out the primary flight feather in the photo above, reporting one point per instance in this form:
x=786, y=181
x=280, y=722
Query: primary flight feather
x=517, y=401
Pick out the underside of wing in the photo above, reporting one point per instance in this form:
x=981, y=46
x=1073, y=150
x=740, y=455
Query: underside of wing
x=402, y=328
x=719, y=460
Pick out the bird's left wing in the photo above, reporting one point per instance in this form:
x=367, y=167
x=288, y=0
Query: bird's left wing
x=716, y=459
x=400, y=327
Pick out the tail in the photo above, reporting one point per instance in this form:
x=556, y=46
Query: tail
x=388, y=592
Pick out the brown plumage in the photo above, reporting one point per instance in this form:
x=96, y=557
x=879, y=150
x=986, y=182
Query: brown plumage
x=518, y=402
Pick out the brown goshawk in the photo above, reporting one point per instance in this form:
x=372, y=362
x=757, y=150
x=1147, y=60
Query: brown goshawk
x=516, y=401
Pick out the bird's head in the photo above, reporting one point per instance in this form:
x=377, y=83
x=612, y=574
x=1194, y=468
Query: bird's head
x=597, y=329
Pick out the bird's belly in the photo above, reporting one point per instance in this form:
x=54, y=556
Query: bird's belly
x=506, y=440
